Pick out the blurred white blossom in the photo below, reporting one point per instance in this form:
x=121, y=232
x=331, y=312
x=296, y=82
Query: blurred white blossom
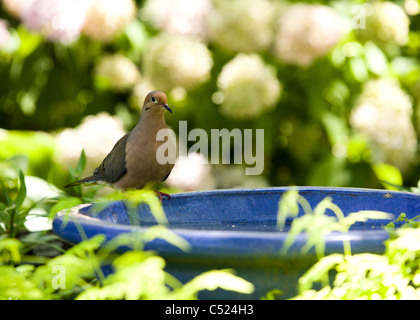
x=4, y=33
x=117, y=71
x=247, y=87
x=15, y=7
x=233, y=176
x=191, y=173
x=96, y=135
x=176, y=61
x=178, y=16
x=107, y=18
x=385, y=22
x=412, y=7
x=383, y=114
x=140, y=90
x=242, y=25
x=306, y=32
x=57, y=20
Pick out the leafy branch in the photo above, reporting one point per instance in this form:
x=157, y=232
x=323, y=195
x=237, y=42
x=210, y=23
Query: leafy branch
x=316, y=224
x=393, y=275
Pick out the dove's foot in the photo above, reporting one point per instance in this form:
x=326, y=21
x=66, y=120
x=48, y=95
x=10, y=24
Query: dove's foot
x=161, y=195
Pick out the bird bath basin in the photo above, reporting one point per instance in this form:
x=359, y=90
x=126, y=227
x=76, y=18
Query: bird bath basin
x=237, y=229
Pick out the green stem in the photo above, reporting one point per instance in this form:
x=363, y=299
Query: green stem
x=12, y=222
x=340, y=216
x=96, y=264
x=305, y=205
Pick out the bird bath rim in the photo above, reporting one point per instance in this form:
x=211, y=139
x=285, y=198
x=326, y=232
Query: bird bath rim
x=240, y=243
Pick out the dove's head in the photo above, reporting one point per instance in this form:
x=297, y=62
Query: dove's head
x=156, y=101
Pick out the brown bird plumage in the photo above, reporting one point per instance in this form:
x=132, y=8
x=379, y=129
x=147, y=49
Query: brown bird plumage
x=132, y=162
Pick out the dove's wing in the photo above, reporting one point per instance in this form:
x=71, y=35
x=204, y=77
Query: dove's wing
x=113, y=167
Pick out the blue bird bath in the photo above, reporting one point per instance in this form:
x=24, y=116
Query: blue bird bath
x=237, y=229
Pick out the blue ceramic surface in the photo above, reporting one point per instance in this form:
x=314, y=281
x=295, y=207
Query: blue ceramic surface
x=237, y=229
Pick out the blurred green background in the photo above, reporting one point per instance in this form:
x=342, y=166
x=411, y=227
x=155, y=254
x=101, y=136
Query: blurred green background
x=334, y=84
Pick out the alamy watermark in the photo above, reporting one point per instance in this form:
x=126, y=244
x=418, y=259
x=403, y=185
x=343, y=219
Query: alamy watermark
x=235, y=146
x=59, y=280
x=359, y=17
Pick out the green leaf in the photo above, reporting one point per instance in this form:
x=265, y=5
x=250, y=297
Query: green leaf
x=66, y=203
x=288, y=207
x=161, y=232
x=86, y=246
x=364, y=215
x=403, y=66
x=358, y=69
x=81, y=164
x=376, y=60
x=389, y=175
x=211, y=280
x=134, y=198
x=137, y=36
x=272, y=294
x=319, y=271
x=336, y=128
x=12, y=246
x=22, y=191
x=9, y=202
x=138, y=275
x=28, y=42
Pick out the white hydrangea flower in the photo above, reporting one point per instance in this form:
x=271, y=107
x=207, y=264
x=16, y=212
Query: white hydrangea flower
x=383, y=113
x=15, y=7
x=57, y=20
x=191, y=173
x=412, y=7
x=385, y=22
x=178, y=16
x=140, y=90
x=242, y=25
x=4, y=33
x=118, y=71
x=247, y=87
x=96, y=135
x=306, y=32
x=233, y=176
x=107, y=18
x=176, y=61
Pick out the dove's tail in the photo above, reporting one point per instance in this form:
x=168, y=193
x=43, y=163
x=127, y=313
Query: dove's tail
x=90, y=179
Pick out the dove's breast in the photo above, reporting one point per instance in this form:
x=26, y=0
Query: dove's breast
x=141, y=161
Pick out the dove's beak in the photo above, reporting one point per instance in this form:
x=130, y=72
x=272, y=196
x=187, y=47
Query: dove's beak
x=167, y=108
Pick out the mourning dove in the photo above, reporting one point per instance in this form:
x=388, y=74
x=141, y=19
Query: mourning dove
x=132, y=163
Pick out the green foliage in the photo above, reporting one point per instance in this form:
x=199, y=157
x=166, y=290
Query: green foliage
x=29, y=282
x=393, y=275
x=141, y=275
x=211, y=280
x=48, y=86
x=10, y=249
x=138, y=275
x=65, y=203
x=310, y=139
x=12, y=214
x=389, y=176
x=77, y=273
x=406, y=223
x=316, y=224
x=76, y=172
x=37, y=147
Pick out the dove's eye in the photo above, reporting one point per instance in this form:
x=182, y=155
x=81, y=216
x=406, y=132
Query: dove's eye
x=154, y=100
